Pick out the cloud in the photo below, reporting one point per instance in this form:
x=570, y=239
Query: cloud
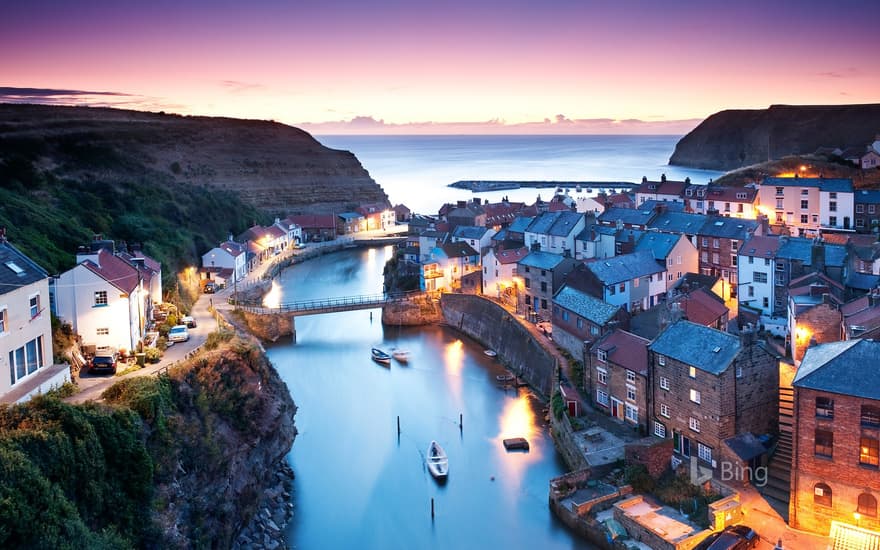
x=85, y=98
x=8, y=93
x=849, y=72
x=238, y=87
x=560, y=124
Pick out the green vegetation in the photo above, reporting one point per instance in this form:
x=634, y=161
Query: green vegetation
x=49, y=211
x=558, y=405
x=675, y=490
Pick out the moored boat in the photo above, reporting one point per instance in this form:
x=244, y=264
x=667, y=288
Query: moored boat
x=437, y=461
x=490, y=352
x=400, y=355
x=380, y=356
x=505, y=378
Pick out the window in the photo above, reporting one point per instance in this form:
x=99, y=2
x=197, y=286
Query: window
x=832, y=195
x=733, y=260
x=765, y=302
x=871, y=208
x=543, y=286
x=594, y=330
x=101, y=298
x=601, y=398
x=528, y=300
x=543, y=272
x=26, y=359
x=661, y=359
x=602, y=375
x=867, y=504
x=602, y=355
x=704, y=257
x=860, y=209
x=832, y=220
x=34, y=305
x=767, y=262
x=664, y=410
x=751, y=259
x=715, y=243
x=103, y=331
x=825, y=407
x=815, y=218
x=527, y=282
x=692, y=372
x=632, y=413
x=779, y=204
x=660, y=430
x=805, y=205
x=664, y=383
x=527, y=269
x=832, y=206
x=612, y=290
x=543, y=303
x=870, y=416
x=780, y=191
x=3, y=321
x=715, y=258
x=705, y=453
x=869, y=451
x=622, y=287
x=805, y=192
x=860, y=222
x=780, y=266
x=694, y=424
x=580, y=323
x=631, y=377
x=705, y=241
x=805, y=218
x=824, y=443
x=564, y=315
x=739, y=371
x=822, y=495
x=695, y=396
x=631, y=392
x=751, y=291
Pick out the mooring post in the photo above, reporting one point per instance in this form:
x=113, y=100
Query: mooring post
x=398, y=424
x=460, y=421
x=432, y=507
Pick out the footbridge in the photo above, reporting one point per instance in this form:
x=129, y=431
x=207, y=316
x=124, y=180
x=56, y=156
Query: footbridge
x=331, y=305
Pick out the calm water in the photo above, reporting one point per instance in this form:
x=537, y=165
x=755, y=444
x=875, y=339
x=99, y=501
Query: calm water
x=360, y=485
x=415, y=170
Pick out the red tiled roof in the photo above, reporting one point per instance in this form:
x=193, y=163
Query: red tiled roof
x=511, y=256
x=702, y=307
x=760, y=247
x=627, y=350
x=621, y=200
x=275, y=231
x=114, y=270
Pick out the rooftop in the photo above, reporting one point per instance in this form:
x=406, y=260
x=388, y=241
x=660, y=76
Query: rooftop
x=678, y=222
x=627, y=350
x=705, y=348
x=589, y=307
x=838, y=185
x=16, y=269
x=841, y=367
x=625, y=267
x=629, y=216
x=659, y=244
x=542, y=260
x=469, y=232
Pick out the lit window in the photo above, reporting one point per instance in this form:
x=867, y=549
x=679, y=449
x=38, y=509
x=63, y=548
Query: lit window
x=695, y=396
x=659, y=429
x=692, y=372
x=101, y=298
x=869, y=451
x=664, y=410
x=694, y=424
x=867, y=505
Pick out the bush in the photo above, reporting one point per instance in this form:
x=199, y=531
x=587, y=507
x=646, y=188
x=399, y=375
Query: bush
x=153, y=355
x=558, y=405
x=637, y=476
x=216, y=338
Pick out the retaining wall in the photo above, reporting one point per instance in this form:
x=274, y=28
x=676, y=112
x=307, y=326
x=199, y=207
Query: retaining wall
x=495, y=328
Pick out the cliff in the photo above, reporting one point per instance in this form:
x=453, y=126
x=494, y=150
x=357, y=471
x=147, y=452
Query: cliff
x=272, y=166
x=735, y=138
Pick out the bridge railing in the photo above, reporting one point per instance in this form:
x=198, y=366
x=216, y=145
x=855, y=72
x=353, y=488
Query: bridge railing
x=331, y=303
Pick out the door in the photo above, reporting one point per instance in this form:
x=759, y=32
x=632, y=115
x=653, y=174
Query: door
x=616, y=408
x=685, y=446
x=846, y=222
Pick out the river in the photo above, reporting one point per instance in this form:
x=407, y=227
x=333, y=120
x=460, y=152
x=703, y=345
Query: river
x=360, y=484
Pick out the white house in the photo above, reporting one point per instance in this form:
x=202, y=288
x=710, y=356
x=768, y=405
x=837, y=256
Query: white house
x=25, y=327
x=479, y=238
x=836, y=204
x=228, y=255
x=105, y=299
x=755, y=273
x=808, y=204
x=499, y=269
x=675, y=251
x=633, y=281
x=554, y=232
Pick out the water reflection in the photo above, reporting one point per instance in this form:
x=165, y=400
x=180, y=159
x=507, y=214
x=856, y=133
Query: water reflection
x=517, y=419
x=273, y=297
x=453, y=354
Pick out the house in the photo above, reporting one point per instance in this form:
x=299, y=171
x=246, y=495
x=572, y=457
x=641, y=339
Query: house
x=480, y=238
x=540, y=275
x=730, y=201
x=446, y=266
x=633, y=281
x=718, y=243
x=266, y=241
x=501, y=214
x=227, y=255
x=620, y=200
x=663, y=190
x=836, y=437
x=516, y=231
x=755, y=266
x=401, y=212
x=350, y=222
x=105, y=300
x=807, y=205
x=813, y=318
x=554, y=232
x=293, y=230
x=464, y=213
x=315, y=227
x=376, y=216
x=499, y=273
x=861, y=317
x=703, y=307
x=25, y=328
x=708, y=386
x=429, y=240
x=867, y=210
x=630, y=218
x=594, y=205
x=673, y=250
x=869, y=160
x=580, y=319
x=617, y=378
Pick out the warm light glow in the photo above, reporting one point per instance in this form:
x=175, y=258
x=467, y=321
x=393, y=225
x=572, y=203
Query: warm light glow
x=453, y=355
x=273, y=297
x=802, y=333
x=857, y=516
x=517, y=418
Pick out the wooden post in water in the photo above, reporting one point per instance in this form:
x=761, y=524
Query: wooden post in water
x=460, y=421
x=398, y=424
x=432, y=507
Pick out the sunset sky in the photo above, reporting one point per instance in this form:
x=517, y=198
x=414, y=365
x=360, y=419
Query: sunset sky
x=590, y=66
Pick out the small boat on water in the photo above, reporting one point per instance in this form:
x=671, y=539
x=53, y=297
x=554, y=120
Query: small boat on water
x=380, y=356
x=490, y=352
x=400, y=355
x=438, y=463
x=505, y=378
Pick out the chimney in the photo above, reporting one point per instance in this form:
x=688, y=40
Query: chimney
x=663, y=178
x=818, y=255
x=747, y=335
x=644, y=179
x=763, y=224
x=660, y=207
x=461, y=204
x=874, y=297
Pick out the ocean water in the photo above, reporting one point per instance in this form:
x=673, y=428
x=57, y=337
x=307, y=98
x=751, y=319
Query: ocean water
x=416, y=170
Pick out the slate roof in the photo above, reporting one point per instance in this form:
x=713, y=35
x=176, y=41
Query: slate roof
x=469, y=232
x=631, y=216
x=678, y=222
x=627, y=350
x=728, y=228
x=511, y=256
x=589, y=307
x=542, y=260
x=696, y=345
x=669, y=206
x=625, y=267
x=232, y=248
x=841, y=367
x=350, y=215
x=862, y=281
x=746, y=446
x=659, y=244
x=867, y=196
x=16, y=269
x=835, y=255
x=837, y=185
x=458, y=250
x=520, y=224
x=558, y=224
x=760, y=247
x=692, y=281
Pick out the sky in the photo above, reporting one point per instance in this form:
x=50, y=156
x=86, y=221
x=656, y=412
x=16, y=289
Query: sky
x=451, y=66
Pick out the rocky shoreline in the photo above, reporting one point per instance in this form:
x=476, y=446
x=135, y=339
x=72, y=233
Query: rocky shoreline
x=266, y=529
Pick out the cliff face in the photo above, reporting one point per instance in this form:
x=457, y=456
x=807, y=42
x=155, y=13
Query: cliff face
x=736, y=138
x=272, y=166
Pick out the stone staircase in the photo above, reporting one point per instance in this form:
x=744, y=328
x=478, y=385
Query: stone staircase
x=779, y=468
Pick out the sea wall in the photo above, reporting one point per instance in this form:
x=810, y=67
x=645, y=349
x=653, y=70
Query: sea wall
x=495, y=328
x=566, y=443
x=421, y=310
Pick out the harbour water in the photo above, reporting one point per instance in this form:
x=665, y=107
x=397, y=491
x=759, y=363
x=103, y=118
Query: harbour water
x=361, y=484
x=416, y=170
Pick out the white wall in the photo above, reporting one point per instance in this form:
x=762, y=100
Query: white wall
x=746, y=277
x=791, y=206
x=21, y=329
x=845, y=208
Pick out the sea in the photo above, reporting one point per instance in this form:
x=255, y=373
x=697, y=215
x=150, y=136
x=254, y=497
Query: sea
x=416, y=170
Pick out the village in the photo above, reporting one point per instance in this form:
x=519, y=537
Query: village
x=728, y=331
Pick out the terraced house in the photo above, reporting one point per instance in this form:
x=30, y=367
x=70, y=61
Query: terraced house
x=540, y=275
x=617, y=378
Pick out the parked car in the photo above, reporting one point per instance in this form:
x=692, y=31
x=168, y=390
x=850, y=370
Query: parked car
x=733, y=537
x=210, y=288
x=103, y=361
x=178, y=333
x=189, y=321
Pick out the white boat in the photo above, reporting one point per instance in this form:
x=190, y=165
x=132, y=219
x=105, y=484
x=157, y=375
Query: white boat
x=380, y=356
x=438, y=463
x=400, y=355
x=490, y=352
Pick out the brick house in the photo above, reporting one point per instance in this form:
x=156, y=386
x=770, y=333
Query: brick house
x=616, y=378
x=634, y=281
x=580, y=319
x=540, y=275
x=867, y=209
x=814, y=314
x=718, y=243
x=708, y=386
x=836, y=437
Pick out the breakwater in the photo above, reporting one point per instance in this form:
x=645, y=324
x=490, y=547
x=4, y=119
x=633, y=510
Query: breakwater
x=481, y=186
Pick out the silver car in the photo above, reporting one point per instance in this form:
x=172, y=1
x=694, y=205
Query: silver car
x=178, y=333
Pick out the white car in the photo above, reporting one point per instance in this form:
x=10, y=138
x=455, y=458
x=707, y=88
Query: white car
x=178, y=333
